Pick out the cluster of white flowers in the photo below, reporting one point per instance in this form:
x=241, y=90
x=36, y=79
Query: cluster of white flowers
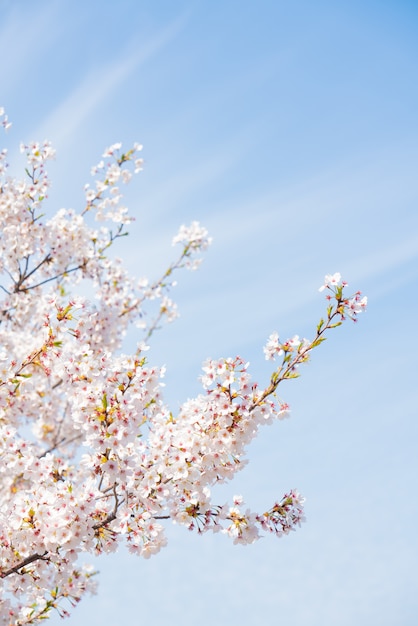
x=275, y=348
x=106, y=461
x=347, y=306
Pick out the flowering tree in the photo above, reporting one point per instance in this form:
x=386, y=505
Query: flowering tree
x=90, y=454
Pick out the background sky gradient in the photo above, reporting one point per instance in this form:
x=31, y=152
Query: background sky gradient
x=288, y=129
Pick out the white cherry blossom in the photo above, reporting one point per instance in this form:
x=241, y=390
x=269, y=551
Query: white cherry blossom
x=91, y=455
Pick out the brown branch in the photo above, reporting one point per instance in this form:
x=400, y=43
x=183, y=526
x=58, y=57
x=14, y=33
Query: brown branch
x=279, y=375
x=30, y=559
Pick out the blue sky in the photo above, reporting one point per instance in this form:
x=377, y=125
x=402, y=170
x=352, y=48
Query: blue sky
x=290, y=131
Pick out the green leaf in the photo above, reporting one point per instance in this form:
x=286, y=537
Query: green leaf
x=318, y=341
x=335, y=324
x=291, y=374
x=274, y=377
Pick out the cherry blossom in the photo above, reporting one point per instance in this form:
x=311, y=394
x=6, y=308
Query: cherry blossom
x=332, y=280
x=92, y=456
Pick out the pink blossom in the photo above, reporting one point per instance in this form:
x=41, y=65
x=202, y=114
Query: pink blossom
x=333, y=280
x=92, y=456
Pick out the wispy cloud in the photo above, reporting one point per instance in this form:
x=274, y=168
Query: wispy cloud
x=286, y=225
x=95, y=86
x=34, y=33
x=380, y=262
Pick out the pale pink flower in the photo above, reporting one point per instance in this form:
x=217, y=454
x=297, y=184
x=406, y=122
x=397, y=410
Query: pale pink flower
x=331, y=280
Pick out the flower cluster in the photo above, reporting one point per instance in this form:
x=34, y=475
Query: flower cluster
x=346, y=306
x=275, y=348
x=91, y=456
